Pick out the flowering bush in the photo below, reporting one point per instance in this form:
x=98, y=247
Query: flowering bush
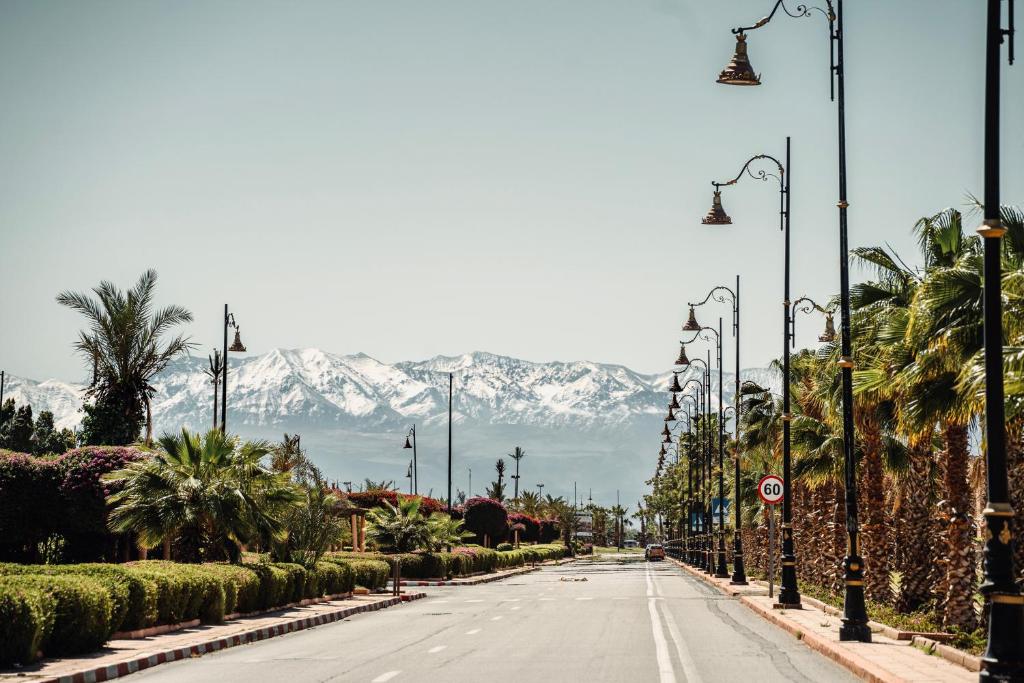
x=531, y=526
x=486, y=517
x=549, y=530
x=43, y=498
x=376, y=498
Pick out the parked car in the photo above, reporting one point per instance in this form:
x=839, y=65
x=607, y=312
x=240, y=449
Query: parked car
x=654, y=551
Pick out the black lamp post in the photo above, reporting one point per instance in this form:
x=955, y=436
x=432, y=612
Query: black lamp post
x=411, y=435
x=704, y=541
x=688, y=530
x=739, y=72
x=684, y=502
x=721, y=568
x=1004, y=657
x=236, y=346
x=788, y=593
x=723, y=294
x=697, y=555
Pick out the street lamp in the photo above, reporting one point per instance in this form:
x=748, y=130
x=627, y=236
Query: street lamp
x=805, y=304
x=788, y=593
x=739, y=72
x=408, y=475
x=723, y=294
x=704, y=560
x=1004, y=656
x=236, y=346
x=721, y=568
x=216, y=368
x=411, y=435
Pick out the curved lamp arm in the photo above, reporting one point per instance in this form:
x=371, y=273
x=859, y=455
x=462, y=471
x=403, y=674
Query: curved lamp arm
x=760, y=174
x=719, y=294
x=806, y=304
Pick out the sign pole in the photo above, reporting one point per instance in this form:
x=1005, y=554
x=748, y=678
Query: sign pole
x=771, y=551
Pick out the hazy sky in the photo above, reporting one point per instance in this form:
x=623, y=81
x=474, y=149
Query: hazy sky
x=409, y=178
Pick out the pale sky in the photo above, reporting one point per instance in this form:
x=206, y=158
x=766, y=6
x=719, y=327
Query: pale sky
x=410, y=178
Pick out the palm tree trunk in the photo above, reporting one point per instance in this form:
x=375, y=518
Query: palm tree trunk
x=873, y=528
x=961, y=573
x=915, y=553
x=167, y=547
x=1015, y=471
x=149, y=421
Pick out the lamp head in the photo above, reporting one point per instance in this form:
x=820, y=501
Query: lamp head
x=829, y=335
x=716, y=215
x=674, y=386
x=691, y=324
x=739, y=71
x=237, y=344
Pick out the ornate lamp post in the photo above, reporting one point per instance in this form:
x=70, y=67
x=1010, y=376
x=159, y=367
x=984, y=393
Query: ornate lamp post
x=704, y=540
x=236, y=346
x=411, y=435
x=1004, y=657
x=698, y=555
x=721, y=569
x=739, y=72
x=685, y=502
x=723, y=294
x=788, y=593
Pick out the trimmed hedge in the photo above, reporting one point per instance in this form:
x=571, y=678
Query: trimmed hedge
x=26, y=620
x=81, y=611
x=462, y=561
x=371, y=574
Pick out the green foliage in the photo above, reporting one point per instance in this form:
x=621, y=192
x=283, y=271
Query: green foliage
x=124, y=349
x=505, y=547
x=486, y=517
x=401, y=529
x=81, y=617
x=273, y=590
x=208, y=493
x=295, y=585
x=314, y=524
x=371, y=574
x=26, y=620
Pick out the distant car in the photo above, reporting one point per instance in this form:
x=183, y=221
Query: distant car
x=631, y=543
x=653, y=552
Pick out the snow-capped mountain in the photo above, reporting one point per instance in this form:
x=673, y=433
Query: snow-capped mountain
x=585, y=419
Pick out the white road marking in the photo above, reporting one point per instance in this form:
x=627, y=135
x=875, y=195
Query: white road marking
x=516, y=607
x=474, y=600
x=495, y=618
x=584, y=598
x=511, y=600
x=682, y=652
x=665, y=672
x=385, y=677
x=438, y=602
x=621, y=598
x=436, y=649
x=473, y=632
x=545, y=599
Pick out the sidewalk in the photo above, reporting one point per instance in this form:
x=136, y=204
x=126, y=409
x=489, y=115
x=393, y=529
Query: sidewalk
x=884, y=660
x=123, y=657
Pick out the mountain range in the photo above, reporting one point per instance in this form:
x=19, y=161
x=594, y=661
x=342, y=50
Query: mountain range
x=593, y=423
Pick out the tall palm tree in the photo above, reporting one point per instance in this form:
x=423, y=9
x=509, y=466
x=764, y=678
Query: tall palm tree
x=208, y=495
x=124, y=345
x=530, y=503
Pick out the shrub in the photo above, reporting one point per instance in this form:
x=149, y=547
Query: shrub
x=241, y=586
x=485, y=516
x=371, y=574
x=57, y=497
x=273, y=589
x=185, y=591
x=375, y=498
x=549, y=530
x=296, y=585
x=505, y=547
x=81, y=613
x=334, y=578
x=531, y=526
x=26, y=620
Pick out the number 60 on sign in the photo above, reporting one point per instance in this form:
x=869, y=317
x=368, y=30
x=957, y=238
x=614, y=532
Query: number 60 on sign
x=770, y=489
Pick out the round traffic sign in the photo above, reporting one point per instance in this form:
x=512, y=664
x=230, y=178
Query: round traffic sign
x=770, y=489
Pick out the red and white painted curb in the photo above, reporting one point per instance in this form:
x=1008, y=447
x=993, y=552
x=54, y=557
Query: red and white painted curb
x=112, y=671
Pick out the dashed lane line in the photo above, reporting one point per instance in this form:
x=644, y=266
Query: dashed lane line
x=437, y=648
x=387, y=676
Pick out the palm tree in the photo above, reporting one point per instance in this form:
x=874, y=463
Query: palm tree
x=530, y=503
x=497, y=488
x=444, y=532
x=382, y=485
x=207, y=494
x=125, y=349
x=400, y=529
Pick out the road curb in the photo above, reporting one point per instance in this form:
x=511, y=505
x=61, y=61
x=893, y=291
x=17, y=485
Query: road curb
x=112, y=671
x=484, y=578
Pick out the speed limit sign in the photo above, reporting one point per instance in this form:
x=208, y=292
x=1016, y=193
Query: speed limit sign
x=770, y=489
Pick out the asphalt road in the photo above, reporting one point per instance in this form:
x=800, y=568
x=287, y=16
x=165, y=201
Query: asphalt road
x=629, y=621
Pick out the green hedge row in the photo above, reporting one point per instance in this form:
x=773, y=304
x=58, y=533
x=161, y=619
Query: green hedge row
x=68, y=609
x=460, y=562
